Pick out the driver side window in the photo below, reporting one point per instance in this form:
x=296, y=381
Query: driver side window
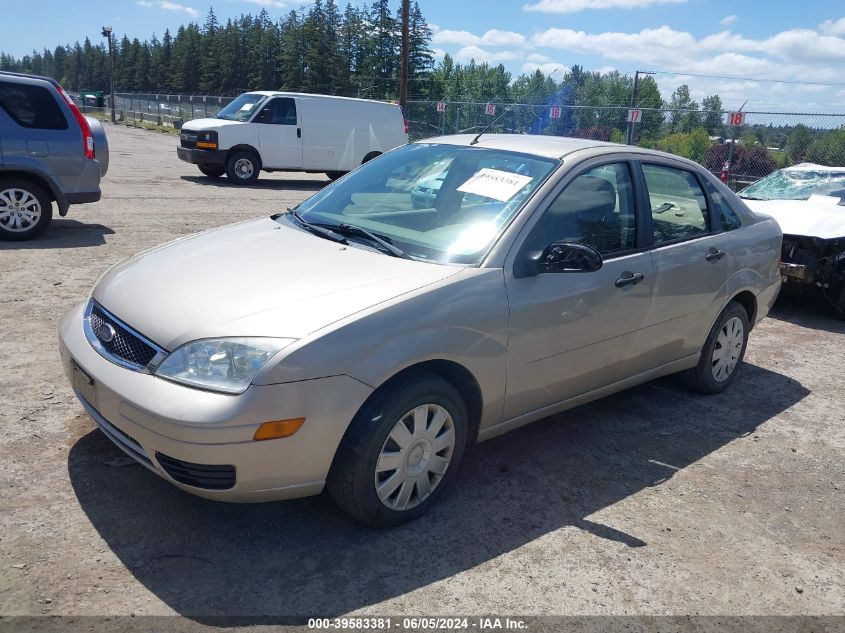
x=597, y=209
x=280, y=111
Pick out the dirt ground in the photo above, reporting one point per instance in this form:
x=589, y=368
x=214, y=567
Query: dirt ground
x=653, y=501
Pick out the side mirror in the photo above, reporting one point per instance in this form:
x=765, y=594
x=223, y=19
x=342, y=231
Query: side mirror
x=262, y=116
x=561, y=257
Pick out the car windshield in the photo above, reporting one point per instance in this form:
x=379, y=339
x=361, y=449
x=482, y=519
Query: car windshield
x=442, y=203
x=242, y=108
x=797, y=184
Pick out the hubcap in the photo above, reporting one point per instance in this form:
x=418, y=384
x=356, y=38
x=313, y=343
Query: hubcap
x=415, y=456
x=244, y=168
x=727, y=349
x=19, y=210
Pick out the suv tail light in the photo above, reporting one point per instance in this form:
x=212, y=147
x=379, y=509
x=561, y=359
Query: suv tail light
x=406, y=125
x=87, y=136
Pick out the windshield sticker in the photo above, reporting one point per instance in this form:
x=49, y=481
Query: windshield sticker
x=247, y=106
x=492, y=183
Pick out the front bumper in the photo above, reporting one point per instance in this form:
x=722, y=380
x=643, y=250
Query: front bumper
x=154, y=420
x=201, y=156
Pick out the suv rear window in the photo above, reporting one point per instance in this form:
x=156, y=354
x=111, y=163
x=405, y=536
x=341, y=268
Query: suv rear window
x=31, y=106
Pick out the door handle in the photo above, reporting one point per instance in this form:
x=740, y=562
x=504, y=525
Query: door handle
x=714, y=255
x=299, y=132
x=629, y=279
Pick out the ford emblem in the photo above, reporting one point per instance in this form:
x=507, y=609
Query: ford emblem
x=106, y=333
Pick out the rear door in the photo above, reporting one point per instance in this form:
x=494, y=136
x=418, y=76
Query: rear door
x=691, y=256
x=573, y=332
x=280, y=134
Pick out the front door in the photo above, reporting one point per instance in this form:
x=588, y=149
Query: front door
x=572, y=332
x=279, y=134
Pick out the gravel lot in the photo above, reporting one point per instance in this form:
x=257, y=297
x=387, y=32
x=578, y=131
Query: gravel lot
x=652, y=501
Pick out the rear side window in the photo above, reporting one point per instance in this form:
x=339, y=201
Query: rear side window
x=678, y=205
x=31, y=106
x=728, y=220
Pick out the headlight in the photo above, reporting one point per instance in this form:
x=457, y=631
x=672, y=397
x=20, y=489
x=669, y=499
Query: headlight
x=221, y=364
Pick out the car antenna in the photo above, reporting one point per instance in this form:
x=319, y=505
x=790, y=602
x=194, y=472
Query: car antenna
x=508, y=109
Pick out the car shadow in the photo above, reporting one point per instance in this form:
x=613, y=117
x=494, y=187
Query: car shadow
x=64, y=233
x=293, y=559
x=261, y=183
x=807, y=310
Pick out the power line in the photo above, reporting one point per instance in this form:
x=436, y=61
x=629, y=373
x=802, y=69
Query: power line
x=777, y=81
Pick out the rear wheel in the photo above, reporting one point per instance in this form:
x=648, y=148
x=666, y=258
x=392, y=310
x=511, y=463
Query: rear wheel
x=722, y=352
x=401, y=451
x=212, y=171
x=334, y=175
x=25, y=210
x=242, y=168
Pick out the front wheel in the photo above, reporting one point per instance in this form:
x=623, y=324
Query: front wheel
x=25, y=210
x=212, y=171
x=242, y=168
x=722, y=353
x=401, y=451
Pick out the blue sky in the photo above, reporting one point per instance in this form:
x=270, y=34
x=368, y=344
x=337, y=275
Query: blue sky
x=800, y=44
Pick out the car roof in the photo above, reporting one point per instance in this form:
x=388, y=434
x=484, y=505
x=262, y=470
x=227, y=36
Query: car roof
x=9, y=73
x=547, y=146
x=272, y=93
x=814, y=167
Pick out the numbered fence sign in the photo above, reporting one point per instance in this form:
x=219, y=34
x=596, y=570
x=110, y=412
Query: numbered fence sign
x=736, y=118
x=441, y=106
x=635, y=116
x=554, y=112
x=490, y=109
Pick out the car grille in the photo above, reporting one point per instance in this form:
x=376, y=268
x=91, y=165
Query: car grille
x=127, y=347
x=186, y=139
x=208, y=476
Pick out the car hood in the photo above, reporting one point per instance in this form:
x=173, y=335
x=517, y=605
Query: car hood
x=813, y=217
x=256, y=278
x=195, y=125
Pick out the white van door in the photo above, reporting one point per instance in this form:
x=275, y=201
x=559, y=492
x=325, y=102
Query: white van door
x=279, y=134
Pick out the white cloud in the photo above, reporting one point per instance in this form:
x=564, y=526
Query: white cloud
x=801, y=53
x=833, y=27
x=574, y=6
x=481, y=55
x=728, y=20
x=492, y=37
x=169, y=6
x=276, y=4
x=538, y=59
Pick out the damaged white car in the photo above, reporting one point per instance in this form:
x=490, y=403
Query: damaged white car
x=808, y=201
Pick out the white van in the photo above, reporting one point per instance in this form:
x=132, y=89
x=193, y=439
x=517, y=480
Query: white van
x=290, y=131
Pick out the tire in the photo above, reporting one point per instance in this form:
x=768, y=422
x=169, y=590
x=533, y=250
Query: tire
x=25, y=210
x=840, y=304
x=374, y=437
x=212, y=171
x=242, y=168
x=716, y=371
x=370, y=157
x=334, y=175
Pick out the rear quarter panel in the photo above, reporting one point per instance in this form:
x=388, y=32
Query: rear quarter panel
x=757, y=249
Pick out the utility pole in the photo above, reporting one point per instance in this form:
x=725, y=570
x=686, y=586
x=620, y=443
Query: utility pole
x=107, y=34
x=403, y=70
x=634, y=101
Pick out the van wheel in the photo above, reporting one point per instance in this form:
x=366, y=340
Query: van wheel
x=370, y=157
x=212, y=171
x=25, y=210
x=242, y=168
x=334, y=175
x=401, y=451
x=722, y=352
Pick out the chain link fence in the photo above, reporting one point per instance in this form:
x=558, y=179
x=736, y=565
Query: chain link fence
x=761, y=144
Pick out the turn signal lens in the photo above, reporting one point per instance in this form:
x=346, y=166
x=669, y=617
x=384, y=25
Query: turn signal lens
x=206, y=145
x=278, y=428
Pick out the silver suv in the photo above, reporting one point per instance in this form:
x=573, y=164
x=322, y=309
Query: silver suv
x=49, y=152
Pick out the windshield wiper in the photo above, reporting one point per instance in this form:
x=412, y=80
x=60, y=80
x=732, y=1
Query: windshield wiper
x=384, y=242
x=316, y=229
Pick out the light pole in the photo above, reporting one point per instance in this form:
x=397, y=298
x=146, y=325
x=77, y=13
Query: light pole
x=107, y=34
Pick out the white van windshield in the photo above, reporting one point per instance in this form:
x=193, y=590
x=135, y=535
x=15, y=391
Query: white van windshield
x=242, y=108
